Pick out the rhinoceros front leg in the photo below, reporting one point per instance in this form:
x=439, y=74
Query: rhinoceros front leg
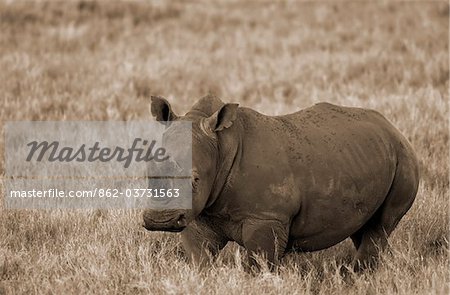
x=265, y=238
x=201, y=242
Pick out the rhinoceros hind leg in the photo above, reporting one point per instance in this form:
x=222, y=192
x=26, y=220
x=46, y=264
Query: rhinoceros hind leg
x=371, y=239
x=357, y=238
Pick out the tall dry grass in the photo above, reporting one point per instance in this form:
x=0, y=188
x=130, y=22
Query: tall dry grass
x=102, y=61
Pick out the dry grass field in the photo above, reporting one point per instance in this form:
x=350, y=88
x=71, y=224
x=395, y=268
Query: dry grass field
x=102, y=61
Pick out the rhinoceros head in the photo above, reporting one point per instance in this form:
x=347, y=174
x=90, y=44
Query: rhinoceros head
x=209, y=116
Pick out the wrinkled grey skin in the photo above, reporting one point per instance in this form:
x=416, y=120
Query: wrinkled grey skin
x=303, y=181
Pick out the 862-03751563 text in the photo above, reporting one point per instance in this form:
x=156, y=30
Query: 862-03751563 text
x=98, y=193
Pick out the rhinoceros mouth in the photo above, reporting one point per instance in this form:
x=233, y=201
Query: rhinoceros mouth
x=175, y=224
x=161, y=222
x=163, y=227
x=166, y=229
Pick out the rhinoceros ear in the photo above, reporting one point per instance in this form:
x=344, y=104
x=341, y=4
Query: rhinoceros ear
x=223, y=118
x=161, y=109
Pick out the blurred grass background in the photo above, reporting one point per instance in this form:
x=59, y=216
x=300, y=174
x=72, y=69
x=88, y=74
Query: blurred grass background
x=102, y=61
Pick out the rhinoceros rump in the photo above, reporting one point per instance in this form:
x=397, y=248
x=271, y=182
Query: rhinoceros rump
x=303, y=181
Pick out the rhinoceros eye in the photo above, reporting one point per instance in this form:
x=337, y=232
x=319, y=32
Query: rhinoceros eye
x=194, y=181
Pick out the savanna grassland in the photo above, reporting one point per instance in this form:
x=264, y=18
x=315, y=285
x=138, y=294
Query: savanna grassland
x=103, y=60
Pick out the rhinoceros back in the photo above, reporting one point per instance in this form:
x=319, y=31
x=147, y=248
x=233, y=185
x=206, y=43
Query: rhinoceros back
x=344, y=161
